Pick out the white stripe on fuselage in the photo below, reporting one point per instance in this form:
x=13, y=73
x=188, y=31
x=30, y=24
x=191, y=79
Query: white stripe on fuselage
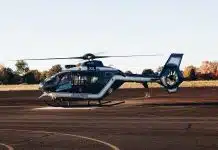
x=103, y=91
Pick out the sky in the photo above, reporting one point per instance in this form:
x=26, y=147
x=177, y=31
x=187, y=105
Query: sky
x=64, y=28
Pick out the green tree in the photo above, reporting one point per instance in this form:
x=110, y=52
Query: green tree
x=3, y=76
x=190, y=73
x=44, y=75
x=209, y=70
x=10, y=75
x=6, y=75
x=37, y=75
x=32, y=77
x=1, y=66
x=147, y=72
x=55, y=69
x=21, y=67
x=159, y=69
x=17, y=79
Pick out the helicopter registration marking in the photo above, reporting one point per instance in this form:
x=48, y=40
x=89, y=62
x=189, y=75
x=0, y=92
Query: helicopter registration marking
x=91, y=68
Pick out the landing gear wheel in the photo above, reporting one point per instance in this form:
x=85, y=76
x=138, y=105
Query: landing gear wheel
x=110, y=90
x=64, y=103
x=88, y=102
x=99, y=103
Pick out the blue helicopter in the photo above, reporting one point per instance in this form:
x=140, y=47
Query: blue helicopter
x=91, y=80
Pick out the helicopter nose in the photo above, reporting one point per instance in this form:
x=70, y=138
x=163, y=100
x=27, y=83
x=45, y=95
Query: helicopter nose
x=41, y=86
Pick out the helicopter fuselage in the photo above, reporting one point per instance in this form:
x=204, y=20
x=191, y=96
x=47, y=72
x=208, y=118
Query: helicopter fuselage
x=92, y=80
x=88, y=82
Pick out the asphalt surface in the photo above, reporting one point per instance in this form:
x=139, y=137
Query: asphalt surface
x=138, y=124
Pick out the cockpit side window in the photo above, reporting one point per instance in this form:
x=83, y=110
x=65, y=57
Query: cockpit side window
x=94, y=79
x=79, y=80
x=83, y=79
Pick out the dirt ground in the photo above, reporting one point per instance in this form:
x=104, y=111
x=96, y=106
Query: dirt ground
x=158, y=95
x=184, y=120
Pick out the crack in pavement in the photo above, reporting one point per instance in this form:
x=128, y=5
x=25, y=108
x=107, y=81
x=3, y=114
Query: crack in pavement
x=31, y=139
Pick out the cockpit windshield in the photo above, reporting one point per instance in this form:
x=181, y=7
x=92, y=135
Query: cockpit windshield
x=52, y=80
x=73, y=80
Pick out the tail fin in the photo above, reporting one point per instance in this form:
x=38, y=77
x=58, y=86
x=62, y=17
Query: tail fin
x=170, y=76
x=174, y=60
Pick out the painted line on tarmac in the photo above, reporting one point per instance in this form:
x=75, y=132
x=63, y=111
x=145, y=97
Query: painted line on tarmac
x=14, y=98
x=65, y=134
x=7, y=146
x=64, y=108
x=11, y=106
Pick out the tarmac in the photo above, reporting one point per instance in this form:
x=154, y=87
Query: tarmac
x=184, y=120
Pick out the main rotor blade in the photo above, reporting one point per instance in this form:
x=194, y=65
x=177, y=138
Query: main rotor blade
x=128, y=56
x=87, y=57
x=51, y=58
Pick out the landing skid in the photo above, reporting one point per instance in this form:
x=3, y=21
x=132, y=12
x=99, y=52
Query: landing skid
x=52, y=102
x=59, y=102
x=108, y=104
x=100, y=103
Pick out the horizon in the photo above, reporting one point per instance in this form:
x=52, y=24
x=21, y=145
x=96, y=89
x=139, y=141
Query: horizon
x=141, y=69
x=41, y=28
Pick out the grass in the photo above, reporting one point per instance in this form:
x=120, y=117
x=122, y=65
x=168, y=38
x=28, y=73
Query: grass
x=193, y=84
x=19, y=87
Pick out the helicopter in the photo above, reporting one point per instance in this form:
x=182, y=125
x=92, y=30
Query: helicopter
x=91, y=80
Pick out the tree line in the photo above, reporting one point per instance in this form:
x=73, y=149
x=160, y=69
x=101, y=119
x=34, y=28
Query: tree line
x=208, y=70
x=24, y=75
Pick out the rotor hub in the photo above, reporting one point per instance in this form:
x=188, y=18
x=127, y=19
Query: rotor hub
x=88, y=56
